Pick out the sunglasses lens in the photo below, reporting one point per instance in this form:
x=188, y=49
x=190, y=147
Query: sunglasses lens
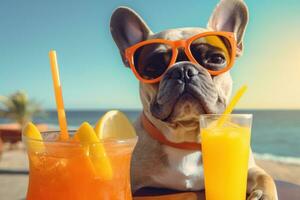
x=152, y=60
x=212, y=52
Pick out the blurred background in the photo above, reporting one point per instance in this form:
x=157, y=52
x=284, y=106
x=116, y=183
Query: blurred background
x=94, y=79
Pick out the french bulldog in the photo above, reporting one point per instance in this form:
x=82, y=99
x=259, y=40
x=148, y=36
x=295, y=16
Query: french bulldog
x=173, y=105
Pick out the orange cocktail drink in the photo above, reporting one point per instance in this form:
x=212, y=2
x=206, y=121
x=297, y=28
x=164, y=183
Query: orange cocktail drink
x=225, y=151
x=65, y=169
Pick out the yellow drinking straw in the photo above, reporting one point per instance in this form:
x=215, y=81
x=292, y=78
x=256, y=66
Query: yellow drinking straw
x=64, y=135
x=231, y=105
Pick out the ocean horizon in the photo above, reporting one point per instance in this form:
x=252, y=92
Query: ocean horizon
x=275, y=134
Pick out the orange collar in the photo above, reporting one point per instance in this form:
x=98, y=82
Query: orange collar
x=157, y=135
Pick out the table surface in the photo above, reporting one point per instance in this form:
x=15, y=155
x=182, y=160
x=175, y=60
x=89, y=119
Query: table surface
x=286, y=191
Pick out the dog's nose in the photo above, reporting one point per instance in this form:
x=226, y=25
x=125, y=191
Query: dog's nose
x=183, y=72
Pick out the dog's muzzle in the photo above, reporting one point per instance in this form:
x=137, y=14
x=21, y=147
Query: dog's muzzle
x=188, y=81
x=183, y=72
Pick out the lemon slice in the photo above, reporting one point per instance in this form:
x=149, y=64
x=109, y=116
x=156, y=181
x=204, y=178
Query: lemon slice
x=33, y=137
x=87, y=136
x=114, y=124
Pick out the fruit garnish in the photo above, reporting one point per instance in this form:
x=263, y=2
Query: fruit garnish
x=33, y=137
x=114, y=125
x=96, y=151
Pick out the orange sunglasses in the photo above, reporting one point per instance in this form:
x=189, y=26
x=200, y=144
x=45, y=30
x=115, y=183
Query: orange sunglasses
x=150, y=59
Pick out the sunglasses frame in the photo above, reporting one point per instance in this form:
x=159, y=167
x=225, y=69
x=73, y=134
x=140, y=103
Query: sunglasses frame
x=186, y=43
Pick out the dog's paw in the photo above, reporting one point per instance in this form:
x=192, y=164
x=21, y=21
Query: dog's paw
x=260, y=195
x=261, y=186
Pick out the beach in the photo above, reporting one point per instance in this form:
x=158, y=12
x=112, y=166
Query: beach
x=281, y=171
x=14, y=177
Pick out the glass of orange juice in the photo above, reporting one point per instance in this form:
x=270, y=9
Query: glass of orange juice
x=62, y=170
x=225, y=151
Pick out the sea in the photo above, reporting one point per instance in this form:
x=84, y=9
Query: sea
x=275, y=133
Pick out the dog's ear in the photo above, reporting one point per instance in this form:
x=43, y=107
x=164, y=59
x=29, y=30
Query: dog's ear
x=231, y=16
x=127, y=28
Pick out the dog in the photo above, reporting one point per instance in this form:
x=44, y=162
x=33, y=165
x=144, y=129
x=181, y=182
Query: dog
x=166, y=154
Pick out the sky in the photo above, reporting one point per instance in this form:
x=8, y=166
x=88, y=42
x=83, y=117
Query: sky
x=92, y=74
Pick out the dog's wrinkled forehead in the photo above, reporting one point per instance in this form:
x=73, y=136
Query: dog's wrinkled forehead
x=177, y=34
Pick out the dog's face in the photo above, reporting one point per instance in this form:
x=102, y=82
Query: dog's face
x=186, y=90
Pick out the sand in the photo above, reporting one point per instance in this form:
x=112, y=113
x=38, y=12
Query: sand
x=281, y=171
x=13, y=180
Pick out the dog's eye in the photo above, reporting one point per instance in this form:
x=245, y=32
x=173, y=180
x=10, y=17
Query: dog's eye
x=157, y=61
x=152, y=60
x=155, y=65
x=214, y=61
x=210, y=56
x=215, y=58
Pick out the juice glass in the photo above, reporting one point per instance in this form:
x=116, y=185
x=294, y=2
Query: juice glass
x=64, y=170
x=225, y=155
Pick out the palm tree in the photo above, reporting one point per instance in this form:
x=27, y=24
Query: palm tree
x=19, y=108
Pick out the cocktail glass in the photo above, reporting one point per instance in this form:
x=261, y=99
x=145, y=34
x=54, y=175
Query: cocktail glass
x=64, y=170
x=225, y=151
